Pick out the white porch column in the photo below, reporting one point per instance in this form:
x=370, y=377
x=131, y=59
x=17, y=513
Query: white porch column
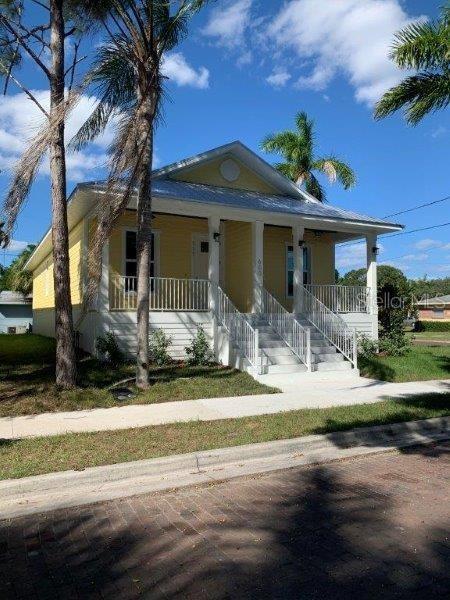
x=371, y=245
x=258, y=265
x=298, y=233
x=103, y=292
x=214, y=260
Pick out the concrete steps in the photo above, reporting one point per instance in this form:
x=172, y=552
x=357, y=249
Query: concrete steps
x=278, y=358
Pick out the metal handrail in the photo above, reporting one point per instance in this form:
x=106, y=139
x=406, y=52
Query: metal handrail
x=239, y=329
x=297, y=337
x=342, y=298
x=331, y=325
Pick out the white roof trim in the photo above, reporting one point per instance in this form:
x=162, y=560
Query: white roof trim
x=248, y=158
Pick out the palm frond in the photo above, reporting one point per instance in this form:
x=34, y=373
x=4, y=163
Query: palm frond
x=284, y=143
x=422, y=45
x=305, y=127
x=336, y=170
x=419, y=95
x=314, y=188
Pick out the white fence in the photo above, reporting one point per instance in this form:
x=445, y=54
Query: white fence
x=342, y=298
x=297, y=337
x=166, y=294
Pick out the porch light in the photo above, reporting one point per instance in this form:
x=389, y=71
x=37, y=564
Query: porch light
x=376, y=250
x=301, y=243
x=216, y=236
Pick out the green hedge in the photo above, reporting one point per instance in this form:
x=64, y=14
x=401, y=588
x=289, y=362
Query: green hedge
x=432, y=326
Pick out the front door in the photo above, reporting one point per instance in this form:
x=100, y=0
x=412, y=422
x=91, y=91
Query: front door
x=200, y=256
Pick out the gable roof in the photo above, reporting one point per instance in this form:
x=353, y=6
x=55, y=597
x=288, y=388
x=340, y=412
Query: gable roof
x=436, y=300
x=248, y=158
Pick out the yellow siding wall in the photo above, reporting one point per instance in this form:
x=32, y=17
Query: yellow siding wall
x=322, y=260
x=43, y=292
x=209, y=173
x=238, y=264
x=175, y=243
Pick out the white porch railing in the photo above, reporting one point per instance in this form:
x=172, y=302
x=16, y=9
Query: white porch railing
x=297, y=337
x=166, y=294
x=331, y=325
x=239, y=329
x=342, y=298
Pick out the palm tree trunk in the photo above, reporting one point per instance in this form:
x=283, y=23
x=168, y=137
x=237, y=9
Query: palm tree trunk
x=65, y=342
x=144, y=235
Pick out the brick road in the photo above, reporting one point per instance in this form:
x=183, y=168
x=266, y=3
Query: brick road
x=376, y=527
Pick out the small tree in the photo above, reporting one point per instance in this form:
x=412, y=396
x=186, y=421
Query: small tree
x=14, y=277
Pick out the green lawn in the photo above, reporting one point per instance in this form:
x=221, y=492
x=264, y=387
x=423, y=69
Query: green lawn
x=421, y=363
x=27, y=381
x=22, y=458
x=435, y=336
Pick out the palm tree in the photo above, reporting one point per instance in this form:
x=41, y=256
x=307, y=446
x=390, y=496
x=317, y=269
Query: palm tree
x=424, y=47
x=39, y=31
x=127, y=77
x=297, y=149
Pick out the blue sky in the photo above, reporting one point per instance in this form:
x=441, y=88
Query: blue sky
x=247, y=67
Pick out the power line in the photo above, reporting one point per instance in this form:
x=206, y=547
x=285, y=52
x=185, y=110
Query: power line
x=402, y=212
x=389, y=235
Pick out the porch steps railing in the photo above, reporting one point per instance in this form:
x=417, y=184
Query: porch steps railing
x=342, y=298
x=240, y=331
x=331, y=325
x=297, y=337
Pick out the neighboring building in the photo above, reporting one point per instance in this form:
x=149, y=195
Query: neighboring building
x=434, y=309
x=238, y=249
x=16, y=314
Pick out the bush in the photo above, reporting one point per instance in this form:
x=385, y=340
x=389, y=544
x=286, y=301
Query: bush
x=199, y=352
x=367, y=347
x=395, y=344
x=432, y=326
x=159, y=344
x=108, y=349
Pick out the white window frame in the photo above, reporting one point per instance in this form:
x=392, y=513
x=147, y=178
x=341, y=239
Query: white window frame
x=156, y=238
x=286, y=269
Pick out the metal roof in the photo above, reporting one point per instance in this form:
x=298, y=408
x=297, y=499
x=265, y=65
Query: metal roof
x=206, y=194
x=8, y=297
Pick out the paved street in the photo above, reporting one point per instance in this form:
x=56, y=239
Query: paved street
x=374, y=527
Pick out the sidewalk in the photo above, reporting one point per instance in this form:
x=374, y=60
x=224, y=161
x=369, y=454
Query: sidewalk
x=297, y=393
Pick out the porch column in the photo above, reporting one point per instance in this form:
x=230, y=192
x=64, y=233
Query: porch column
x=298, y=234
x=371, y=245
x=258, y=265
x=103, y=292
x=214, y=260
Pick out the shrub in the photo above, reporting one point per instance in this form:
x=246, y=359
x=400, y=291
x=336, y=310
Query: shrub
x=395, y=344
x=199, y=352
x=367, y=347
x=108, y=349
x=432, y=326
x=159, y=344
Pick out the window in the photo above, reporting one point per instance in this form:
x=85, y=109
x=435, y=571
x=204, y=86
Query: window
x=290, y=269
x=131, y=257
x=438, y=313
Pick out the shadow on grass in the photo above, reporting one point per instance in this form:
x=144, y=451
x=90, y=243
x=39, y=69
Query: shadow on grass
x=376, y=369
x=323, y=533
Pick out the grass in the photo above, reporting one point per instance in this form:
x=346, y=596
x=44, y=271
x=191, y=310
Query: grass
x=438, y=336
x=420, y=364
x=26, y=457
x=27, y=381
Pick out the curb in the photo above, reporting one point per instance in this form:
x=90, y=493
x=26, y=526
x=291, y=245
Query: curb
x=42, y=493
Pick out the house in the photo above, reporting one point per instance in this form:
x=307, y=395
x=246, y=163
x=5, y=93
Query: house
x=434, y=309
x=16, y=314
x=238, y=249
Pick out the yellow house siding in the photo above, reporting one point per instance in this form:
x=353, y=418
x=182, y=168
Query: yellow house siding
x=43, y=290
x=238, y=264
x=175, y=243
x=209, y=173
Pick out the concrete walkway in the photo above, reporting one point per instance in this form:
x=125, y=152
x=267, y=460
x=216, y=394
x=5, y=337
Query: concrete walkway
x=298, y=391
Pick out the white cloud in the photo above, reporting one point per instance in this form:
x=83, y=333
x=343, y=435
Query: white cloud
x=349, y=37
x=278, y=78
x=227, y=23
x=16, y=246
x=353, y=256
x=20, y=120
x=414, y=257
x=176, y=68
x=429, y=243
x=439, y=132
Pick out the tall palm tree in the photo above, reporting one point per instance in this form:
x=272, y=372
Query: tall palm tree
x=424, y=47
x=128, y=79
x=297, y=149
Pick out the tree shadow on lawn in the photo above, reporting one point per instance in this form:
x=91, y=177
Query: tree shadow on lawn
x=314, y=533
